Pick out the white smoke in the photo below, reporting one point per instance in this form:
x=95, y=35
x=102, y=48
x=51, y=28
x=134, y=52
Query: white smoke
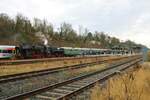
x=42, y=37
x=45, y=41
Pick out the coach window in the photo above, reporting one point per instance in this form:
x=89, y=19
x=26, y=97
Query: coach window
x=4, y=51
x=9, y=51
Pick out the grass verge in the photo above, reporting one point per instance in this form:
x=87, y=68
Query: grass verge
x=129, y=86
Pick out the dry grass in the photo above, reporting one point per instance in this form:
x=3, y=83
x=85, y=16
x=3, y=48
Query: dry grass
x=130, y=86
x=13, y=69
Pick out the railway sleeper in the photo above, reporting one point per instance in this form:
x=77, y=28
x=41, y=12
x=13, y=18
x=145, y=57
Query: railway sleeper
x=52, y=94
x=79, y=83
x=74, y=86
x=67, y=88
x=61, y=91
x=84, y=82
x=41, y=97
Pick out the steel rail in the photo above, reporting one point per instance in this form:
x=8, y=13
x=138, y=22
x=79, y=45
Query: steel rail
x=20, y=76
x=68, y=95
x=50, y=87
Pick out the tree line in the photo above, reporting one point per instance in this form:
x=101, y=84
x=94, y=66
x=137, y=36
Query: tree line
x=18, y=30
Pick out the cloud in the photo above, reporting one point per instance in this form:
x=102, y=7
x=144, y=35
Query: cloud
x=139, y=30
x=126, y=19
x=49, y=9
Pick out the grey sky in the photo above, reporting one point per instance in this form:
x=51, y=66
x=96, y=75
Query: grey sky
x=126, y=19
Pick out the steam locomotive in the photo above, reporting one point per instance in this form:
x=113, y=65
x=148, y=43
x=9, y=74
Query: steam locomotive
x=41, y=51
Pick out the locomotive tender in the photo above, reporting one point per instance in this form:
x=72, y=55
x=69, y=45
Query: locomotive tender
x=41, y=51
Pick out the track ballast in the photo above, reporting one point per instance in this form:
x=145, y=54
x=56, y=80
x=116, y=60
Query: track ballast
x=66, y=89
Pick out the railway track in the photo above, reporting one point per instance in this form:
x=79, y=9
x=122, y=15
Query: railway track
x=20, y=76
x=28, y=61
x=15, y=84
x=66, y=89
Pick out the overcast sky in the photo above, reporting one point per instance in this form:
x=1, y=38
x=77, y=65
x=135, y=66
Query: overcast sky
x=126, y=19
